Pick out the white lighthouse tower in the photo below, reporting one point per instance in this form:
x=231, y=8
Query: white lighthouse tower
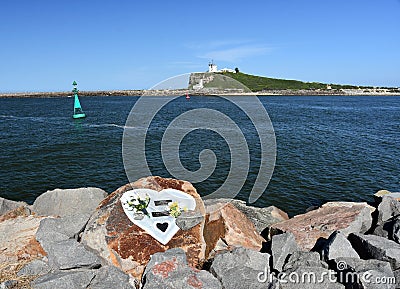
x=212, y=67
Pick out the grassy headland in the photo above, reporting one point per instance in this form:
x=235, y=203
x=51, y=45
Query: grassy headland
x=259, y=83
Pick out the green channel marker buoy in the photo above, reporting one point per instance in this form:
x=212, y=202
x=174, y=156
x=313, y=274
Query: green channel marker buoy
x=78, y=112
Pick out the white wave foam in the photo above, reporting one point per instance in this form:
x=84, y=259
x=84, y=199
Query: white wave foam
x=110, y=125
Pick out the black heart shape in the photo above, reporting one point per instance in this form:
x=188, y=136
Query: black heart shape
x=162, y=226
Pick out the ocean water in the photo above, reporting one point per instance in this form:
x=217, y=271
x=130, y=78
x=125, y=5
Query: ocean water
x=329, y=148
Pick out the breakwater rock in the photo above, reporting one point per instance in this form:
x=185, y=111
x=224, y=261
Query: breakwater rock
x=207, y=91
x=81, y=238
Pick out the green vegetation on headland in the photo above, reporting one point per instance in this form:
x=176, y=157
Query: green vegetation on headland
x=260, y=83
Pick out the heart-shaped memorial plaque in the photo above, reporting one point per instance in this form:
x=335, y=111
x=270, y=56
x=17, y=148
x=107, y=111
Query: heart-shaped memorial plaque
x=162, y=226
x=158, y=223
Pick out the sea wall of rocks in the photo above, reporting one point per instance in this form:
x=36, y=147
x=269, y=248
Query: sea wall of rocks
x=81, y=238
x=205, y=91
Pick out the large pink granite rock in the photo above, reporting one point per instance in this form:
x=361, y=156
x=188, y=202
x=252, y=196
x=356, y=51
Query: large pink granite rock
x=17, y=237
x=321, y=223
x=227, y=227
x=127, y=246
x=262, y=218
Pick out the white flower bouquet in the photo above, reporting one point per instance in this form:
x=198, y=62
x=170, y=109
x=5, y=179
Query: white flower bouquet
x=138, y=204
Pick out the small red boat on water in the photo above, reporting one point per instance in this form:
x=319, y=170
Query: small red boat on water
x=187, y=95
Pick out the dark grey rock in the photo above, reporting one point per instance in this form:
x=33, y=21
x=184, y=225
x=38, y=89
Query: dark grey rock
x=104, y=278
x=336, y=246
x=395, y=232
x=382, y=230
x=359, y=273
x=397, y=278
x=375, y=247
x=9, y=284
x=36, y=267
x=282, y=246
x=389, y=229
x=188, y=220
x=176, y=254
x=310, y=278
x=76, y=279
x=243, y=277
x=8, y=205
x=240, y=257
x=241, y=268
x=69, y=254
x=169, y=270
x=387, y=209
x=58, y=229
x=201, y=279
x=303, y=259
x=68, y=202
x=47, y=233
x=110, y=277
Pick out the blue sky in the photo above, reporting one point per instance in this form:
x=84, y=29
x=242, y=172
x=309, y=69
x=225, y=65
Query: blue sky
x=129, y=44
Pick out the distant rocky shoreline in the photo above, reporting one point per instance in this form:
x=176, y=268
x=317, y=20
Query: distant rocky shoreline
x=227, y=92
x=81, y=238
